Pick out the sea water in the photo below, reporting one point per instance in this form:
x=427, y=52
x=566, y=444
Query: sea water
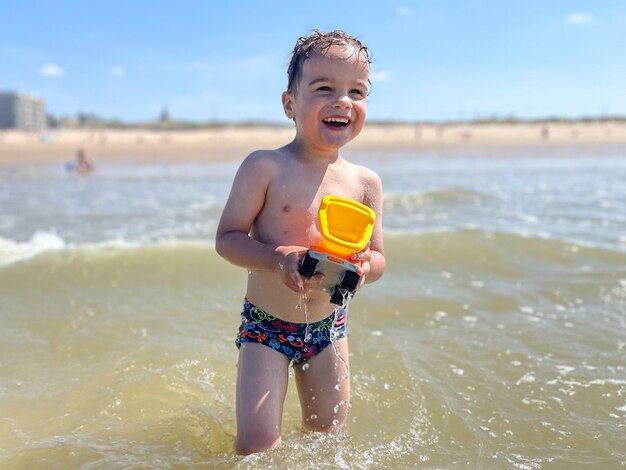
x=496, y=338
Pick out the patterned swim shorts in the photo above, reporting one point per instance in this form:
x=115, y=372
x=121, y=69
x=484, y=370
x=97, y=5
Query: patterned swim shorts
x=298, y=341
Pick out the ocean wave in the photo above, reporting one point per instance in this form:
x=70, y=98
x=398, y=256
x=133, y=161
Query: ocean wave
x=470, y=246
x=120, y=263
x=41, y=242
x=12, y=251
x=477, y=249
x=404, y=200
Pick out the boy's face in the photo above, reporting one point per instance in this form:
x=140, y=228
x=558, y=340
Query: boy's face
x=330, y=102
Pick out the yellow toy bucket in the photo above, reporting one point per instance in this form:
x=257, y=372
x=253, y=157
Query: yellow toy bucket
x=346, y=225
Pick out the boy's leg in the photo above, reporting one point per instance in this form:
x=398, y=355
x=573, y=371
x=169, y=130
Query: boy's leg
x=324, y=388
x=262, y=379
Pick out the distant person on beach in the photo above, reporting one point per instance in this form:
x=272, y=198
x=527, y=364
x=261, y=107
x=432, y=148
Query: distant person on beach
x=268, y=223
x=82, y=165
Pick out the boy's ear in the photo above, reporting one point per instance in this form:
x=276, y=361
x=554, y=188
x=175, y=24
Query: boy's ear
x=288, y=105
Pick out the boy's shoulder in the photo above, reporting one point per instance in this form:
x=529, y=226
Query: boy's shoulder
x=259, y=160
x=363, y=172
x=275, y=156
x=263, y=155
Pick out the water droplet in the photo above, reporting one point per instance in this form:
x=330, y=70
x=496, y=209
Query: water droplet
x=336, y=409
x=305, y=366
x=313, y=416
x=338, y=387
x=335, y=422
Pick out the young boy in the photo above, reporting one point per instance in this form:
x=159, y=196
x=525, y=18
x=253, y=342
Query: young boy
x=268, y=223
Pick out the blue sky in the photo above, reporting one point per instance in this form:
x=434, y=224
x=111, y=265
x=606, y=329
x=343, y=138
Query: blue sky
x=202, y=60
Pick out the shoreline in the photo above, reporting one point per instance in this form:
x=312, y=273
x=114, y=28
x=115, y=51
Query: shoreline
x=234, y=143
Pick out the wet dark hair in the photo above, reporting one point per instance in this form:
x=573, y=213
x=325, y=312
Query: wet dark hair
x=319, y=42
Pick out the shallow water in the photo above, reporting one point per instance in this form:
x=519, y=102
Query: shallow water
x=496, y=339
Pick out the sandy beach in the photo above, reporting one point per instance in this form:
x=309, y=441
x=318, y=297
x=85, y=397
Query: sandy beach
x=224, y=143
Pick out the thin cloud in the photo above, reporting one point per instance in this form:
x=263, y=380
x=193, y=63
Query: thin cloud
x=51, y=70
x=117, y=71
x=379, y=76
x=404, y=10
x=579, y=18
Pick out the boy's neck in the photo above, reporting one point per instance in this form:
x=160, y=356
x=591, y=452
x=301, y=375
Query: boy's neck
x=307, y=152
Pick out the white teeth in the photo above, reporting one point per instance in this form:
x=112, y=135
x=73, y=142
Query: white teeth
x=338, y=120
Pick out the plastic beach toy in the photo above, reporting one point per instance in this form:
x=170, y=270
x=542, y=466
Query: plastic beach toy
x=346, y=227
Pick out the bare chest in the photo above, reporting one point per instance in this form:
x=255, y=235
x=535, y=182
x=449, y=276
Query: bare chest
x=289, y=215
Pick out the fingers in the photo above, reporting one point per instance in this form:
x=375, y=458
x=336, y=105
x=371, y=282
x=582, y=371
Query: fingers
x=305, y=283
x=289, y=265
x=295, y=277
x=310, y=283
x=364, y=255
x=362, y=271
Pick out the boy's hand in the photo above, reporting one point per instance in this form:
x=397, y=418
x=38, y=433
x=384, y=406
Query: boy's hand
x=364, y=256
x=287, y=262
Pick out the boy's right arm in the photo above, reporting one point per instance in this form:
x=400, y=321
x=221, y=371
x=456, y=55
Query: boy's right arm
x=246, y=199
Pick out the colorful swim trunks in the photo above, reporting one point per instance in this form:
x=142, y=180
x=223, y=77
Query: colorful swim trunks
x=298, y=341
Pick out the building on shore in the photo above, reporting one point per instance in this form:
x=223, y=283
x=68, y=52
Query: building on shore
x=22, y=111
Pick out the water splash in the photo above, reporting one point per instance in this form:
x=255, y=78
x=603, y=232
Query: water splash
x=345, y=307
x=302, y=305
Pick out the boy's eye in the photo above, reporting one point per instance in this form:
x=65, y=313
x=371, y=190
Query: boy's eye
x=324, y=88
x=357, y=92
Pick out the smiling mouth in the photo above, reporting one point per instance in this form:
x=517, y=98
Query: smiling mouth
x=337, y=123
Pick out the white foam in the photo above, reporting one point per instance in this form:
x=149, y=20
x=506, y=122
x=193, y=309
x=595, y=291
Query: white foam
x=564, y=370
x=41, y=242
x=12, y=251
x=527, y=378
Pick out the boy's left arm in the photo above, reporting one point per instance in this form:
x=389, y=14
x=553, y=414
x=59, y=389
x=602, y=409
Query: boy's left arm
x=373, y=257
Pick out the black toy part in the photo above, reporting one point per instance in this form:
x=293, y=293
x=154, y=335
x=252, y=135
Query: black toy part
x=308, y=266
x=338, y=295
x=350, y=281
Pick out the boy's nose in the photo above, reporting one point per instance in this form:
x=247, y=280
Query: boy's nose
x=343, y=101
